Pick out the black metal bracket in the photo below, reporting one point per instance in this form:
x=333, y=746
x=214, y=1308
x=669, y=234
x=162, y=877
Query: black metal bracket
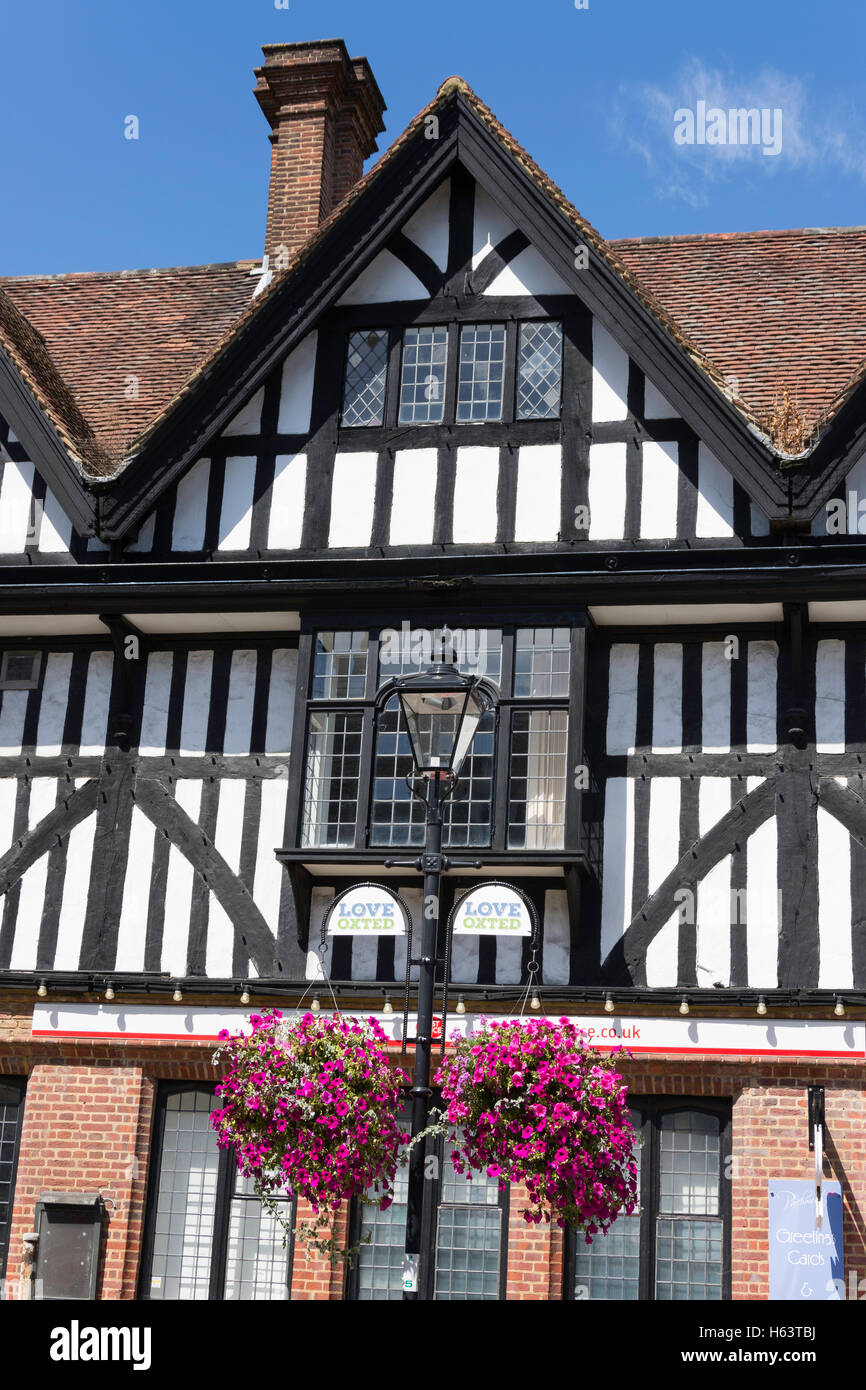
x=816, y=1111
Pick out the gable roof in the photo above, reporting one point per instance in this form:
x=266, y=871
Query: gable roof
x=796, y=302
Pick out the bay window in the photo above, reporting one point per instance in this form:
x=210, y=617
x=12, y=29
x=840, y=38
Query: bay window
x=512, y=787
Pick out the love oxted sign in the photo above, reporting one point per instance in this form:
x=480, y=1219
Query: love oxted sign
x=367, y=909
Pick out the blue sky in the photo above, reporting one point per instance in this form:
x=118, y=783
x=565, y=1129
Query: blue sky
x=591, y=93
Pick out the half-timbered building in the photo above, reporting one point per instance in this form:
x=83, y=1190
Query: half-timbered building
x=624, y=480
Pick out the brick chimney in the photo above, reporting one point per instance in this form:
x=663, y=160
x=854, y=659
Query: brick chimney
x=325, y=111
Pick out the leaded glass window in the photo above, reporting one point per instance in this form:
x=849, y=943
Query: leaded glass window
x=332, y=778
x=365, y=379
x=542, y=661
x=539, y=371
x=340, y=666
x=673, y=1247
x=11, y=1108
x=208, y=1235
x=469, y=1241
x=539, y=762
x=422, y=378
x=482, y=369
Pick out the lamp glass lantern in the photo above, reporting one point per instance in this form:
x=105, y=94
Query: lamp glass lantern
x=442, y=709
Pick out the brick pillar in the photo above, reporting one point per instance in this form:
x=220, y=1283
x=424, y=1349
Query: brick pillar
x=87, y=1129
x=314, y=1277
x=529, y=1252
x=325, y=111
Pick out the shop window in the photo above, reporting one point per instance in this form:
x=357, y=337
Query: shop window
x=675, y=1247
x=208, y=1235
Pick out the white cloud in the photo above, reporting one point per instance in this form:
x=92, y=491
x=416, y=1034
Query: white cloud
x=814, y=136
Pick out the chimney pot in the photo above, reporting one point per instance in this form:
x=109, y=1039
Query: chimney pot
x=325, y=111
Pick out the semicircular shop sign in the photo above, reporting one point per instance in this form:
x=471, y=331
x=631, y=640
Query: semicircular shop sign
x=367, y=909
x=493, y=909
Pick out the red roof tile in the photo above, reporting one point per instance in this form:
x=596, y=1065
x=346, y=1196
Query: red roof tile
x=774, y=309
x=156, y=325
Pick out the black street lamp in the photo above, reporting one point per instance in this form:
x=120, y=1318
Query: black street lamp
x=442, y=709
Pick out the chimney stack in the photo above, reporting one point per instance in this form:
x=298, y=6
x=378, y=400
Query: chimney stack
x=325, y=111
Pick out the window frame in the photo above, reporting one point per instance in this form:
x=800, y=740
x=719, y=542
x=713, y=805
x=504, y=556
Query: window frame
x=652, y=1109
x=225, y=1195
x=35, y=655
x=572, y=703
x=430, y=1234
x=18, y=1086
x=477, y=311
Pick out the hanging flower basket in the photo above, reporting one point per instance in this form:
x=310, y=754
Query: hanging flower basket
x=529, y=1101
x=311, y=1106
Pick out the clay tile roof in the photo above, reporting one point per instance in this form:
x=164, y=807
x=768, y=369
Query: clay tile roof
x=773, y=309
x=103, y=329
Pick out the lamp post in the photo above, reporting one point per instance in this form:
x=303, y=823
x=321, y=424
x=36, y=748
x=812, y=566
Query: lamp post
x=441, y=709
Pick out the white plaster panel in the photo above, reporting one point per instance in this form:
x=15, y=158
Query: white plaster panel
x=428, y=228
x=281, y=700
x=713, y=925
x=385, y=280
x=249, y=418
x=76, y=886
x=660, y=477
x=836, y=970
x=190, y=508
x=715, y=698
x=830, y=697
x=609, y=376
x=715, y=514
x=663, y=955
x=528, y=274
x=667, y=697
x=475, y=488
x=154, y=719
x=228, y=834
x=178, y=887
x=31, y=900
x=663, y=838
x=288, y=491
x=13, y=711
x=556, y=940
x=491, y=225
x=761, y=697
x=762, y=921
x=758, y=523
x=55, y=533
x=413, y=497
x=539, y=493
x=657, y=406
x=97, y=696
x=607, y=484
x=618, y=862
x=132, y=929
x=16, y=494
x=622, y=697
x=352, y=498
x=239, y=710
x=236, y=514
x=196, y=704
x=269, y=874
x=296, y=390
x=54, y=704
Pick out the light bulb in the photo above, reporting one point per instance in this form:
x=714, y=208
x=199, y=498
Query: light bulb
x=535, y=1002
x=684, y=1005
x=387, y=1007
x=762, y=1005
x=109, y=992
x=839, y=1007
x=178, y=994
x=316, y=1005
x=245, y=995
x=42, y=990
x=461, y=1005
x=608, y=1003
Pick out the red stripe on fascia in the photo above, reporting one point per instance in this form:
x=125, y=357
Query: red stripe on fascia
x=599, y=1047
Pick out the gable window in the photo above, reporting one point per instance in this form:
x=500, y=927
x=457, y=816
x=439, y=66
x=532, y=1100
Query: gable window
x=482, y=370
x=11, y=1113
x=539, y=371
x=422, y=379
x=366, y=374
x=208, y=1235
x=512, y=787
x=469, y=1241
x=675, y=1247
